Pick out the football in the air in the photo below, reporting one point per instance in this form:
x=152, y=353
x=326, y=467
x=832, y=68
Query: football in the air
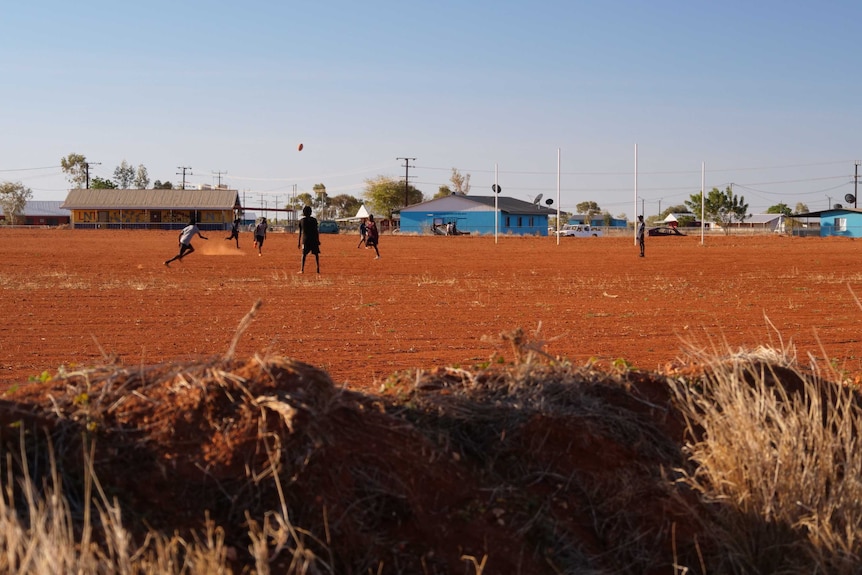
x=299, y=147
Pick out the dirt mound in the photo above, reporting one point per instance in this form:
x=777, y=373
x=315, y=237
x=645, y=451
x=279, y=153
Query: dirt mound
x=523, y=468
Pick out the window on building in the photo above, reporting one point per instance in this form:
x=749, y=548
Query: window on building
x=508, y=221
x=840, y=224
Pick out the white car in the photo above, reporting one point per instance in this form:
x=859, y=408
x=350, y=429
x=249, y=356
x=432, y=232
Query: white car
x=580, y=231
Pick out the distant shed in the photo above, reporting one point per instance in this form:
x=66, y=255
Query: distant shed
x=43, y=213
x=213, y=209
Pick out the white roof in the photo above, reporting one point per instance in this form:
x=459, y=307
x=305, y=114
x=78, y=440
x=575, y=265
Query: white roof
x=43, y=208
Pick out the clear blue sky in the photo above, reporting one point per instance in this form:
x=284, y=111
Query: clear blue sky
x=766, y=94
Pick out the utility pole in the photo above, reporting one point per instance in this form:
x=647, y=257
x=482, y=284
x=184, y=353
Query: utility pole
x=219, y=175
x=856, y=186
x=406, y=178
x=184, y=168
x=87, y=172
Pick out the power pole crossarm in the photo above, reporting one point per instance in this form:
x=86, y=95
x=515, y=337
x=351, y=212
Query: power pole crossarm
x=184, y=169
x=219, y=174
x=87, y=172
x=407, y=178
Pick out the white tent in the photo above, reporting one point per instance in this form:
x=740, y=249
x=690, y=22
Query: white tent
x=361, y=214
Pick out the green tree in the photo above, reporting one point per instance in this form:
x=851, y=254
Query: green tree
x=75, y=167
x=781, y=208
x=588, y=209
x=442, y=192
x=159, y=185
x=386, y=195
x=344, y=206
x=722, y=207
x=124, y=175
x=304, y=199
x=142, y=178
x=13, y=200
x=460, y=182
x=98, y=183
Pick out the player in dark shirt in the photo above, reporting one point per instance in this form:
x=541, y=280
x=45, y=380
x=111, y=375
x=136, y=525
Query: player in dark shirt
x=309, y=238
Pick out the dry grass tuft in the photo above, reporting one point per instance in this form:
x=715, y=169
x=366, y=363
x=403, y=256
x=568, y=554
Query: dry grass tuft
x=775, y=456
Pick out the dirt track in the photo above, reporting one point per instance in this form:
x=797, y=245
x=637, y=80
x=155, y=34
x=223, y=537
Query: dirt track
x=71, y=297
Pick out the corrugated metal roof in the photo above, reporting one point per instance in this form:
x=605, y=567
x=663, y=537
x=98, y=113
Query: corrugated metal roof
x=43, y=208
x=762, y=218
x=830, y=211
x=504, y=203
x=89, y=199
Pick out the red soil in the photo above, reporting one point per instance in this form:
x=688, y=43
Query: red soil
x=71, y=297
x=75, y=298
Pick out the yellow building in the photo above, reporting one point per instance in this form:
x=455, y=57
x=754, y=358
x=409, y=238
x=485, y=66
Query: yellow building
x=212, y=209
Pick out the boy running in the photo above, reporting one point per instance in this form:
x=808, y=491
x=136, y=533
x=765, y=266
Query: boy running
x=185, y=240
x=260, y=235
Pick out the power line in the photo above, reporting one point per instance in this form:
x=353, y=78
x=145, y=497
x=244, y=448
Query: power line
x=30, y=169
x=647, y=173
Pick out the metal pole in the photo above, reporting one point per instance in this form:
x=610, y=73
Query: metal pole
x=856, y=186
x=496, y=213
x=558, y=196
x=702, y=200
x=636, y=196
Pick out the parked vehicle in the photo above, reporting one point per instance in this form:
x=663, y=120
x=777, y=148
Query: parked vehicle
x=328, y=227
x=665, y=231
x=580, y=231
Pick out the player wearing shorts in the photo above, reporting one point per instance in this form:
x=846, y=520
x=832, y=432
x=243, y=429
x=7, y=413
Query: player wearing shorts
x=260, y=235
x=185, y=240
x=309, y=238
x=372, y=235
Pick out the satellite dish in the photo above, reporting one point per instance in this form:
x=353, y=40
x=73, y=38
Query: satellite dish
x=837, y=206
x=536, y=199
x=850, y=199
x=549, y=201
x=496, y=189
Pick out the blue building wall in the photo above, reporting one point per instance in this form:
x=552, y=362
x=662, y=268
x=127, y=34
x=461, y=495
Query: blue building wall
x=476, y=222
x=599, y=221
x=831, y=224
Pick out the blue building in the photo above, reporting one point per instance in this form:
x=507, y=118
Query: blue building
x=598, y=221
x=845, y=222
x=475, y=215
